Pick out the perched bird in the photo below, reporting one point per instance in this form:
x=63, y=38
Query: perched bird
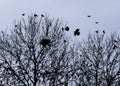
x=67, y=28
x=15, y=25
x=35, y=15
x=64, y=40
x=96, y=22
x=42, y=15
x=23, y=14
x=96, y=31
x=103, y=31
x=89, y=16
x=45, y=42
x=76, y=32
x=62, y=28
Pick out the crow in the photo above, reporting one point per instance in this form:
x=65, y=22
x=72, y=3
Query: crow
x=35, y=15
x=96, y=31
x=96, y=22
x=76, y=32
x=103, y=31
x=23, y=14
x=67, y=28
x=15, y=25
x=62, y=28
x=65, y=40
x=115, y=41
x=42, y=15
x=89, y=16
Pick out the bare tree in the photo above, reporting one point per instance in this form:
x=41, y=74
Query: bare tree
x=99, y=61
x=35, y=53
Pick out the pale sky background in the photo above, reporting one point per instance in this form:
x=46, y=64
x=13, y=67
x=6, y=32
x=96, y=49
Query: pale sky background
x=106, y=12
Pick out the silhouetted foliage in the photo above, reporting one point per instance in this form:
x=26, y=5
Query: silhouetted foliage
x=99, y=61
x=26, y=59
x=15, y=25
x=37, y=53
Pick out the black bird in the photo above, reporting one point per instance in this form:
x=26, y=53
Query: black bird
x=96, y=31
x=89, y=16
x=103, y=31
x=23, y=14
x=62, y=28
x=67, y=28
x=45, y=42
x=76, y=32
x=42, y=15
x=15, y=25
x=35, y=15
x=65, y=40
x=96, y=22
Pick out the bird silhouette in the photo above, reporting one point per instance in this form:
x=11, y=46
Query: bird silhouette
x=35, y=15
x=42, y=15
x=67, y=28
x=23, y=14
x=89, y=16
x=15, y=25
x=103, y=31
x=62, y=28
x=76, y=32
x=64, y=40
x=96, y=31
x=96, y=22
x=45, y=42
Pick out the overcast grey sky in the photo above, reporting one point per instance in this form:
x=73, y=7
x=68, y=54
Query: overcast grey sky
x=106, y=12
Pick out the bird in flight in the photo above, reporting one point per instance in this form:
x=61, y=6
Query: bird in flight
x=89, y=16
x=76, y=32
x=96, y=22
x=67, y=28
